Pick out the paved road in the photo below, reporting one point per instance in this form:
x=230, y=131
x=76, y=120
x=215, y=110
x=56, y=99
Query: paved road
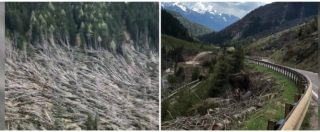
x=313, y=108
x=314, y=77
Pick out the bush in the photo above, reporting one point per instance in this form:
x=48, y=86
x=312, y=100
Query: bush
x=91, y=123
x=195, y=74
x=229, y=63
x=165, y=107
x=172, y=79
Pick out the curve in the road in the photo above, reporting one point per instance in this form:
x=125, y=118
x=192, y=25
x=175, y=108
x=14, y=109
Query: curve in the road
x=304, y=82
x=314, y=77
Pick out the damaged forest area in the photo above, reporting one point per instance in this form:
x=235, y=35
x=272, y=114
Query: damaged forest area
x=97, y=66
x=258, y=73
x=230, y=97
x=89, y=66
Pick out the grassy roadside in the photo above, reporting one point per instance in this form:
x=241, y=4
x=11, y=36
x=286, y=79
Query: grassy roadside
x=305, y=124
x=274, y=110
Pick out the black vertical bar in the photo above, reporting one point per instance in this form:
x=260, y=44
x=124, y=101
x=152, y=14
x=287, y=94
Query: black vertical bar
x=288, y=108
x=271, y=125
x=297, y=97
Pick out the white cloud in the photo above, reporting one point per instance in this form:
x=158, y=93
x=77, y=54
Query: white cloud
x=238, y=9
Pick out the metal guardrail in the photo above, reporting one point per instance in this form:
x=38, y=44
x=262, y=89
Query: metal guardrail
x=294, y=113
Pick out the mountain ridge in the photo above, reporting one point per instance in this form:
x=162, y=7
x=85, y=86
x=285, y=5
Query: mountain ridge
x=194, y=29
x=263, y=21
x=210, y=18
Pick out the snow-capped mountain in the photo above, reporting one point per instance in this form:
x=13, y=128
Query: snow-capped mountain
x=202, y=14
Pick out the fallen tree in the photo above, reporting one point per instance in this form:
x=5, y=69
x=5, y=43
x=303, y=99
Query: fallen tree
x=53, y=86
x=227, y=112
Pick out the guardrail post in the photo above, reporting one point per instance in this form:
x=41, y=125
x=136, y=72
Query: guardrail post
x=297, y=96
x=285, y=72
x=301, y=86
x=295, y=79
x=271, y=125
x=288, y=108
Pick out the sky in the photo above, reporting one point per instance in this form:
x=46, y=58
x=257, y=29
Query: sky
x=238, y=9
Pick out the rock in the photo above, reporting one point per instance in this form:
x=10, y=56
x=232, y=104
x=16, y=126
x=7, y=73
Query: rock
x=246, y=95
x=226, y=121
x=217, y=126
x=259, y=105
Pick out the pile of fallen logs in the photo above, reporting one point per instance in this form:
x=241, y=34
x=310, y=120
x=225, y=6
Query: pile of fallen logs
x=53, y=86
x=229, y=113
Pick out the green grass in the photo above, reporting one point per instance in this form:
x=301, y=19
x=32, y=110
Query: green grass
x=274, y=109
x=305, y=124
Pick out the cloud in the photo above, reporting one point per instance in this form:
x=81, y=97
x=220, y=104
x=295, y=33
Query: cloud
x=238, y=9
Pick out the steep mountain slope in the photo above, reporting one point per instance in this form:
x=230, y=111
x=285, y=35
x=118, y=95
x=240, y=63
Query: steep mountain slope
x=294, y=47
x=194, y=29
x=171, y=26
x=210, y=18
x=264, y=21
x=72, y=66
x=87, y=25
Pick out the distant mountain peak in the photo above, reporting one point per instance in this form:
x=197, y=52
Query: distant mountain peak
x=182, y=7
x=202, y=14
x=201, y=8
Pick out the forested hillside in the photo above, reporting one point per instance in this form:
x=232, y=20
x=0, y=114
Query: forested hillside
x=172, y=26
x=89, y=66
x=193, y=28
x=265, y=21
x=88, y=25
x=294, y=47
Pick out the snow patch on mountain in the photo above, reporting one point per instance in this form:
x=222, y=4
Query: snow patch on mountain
x=201, y=13
x=180, y=6
x=201, y=8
